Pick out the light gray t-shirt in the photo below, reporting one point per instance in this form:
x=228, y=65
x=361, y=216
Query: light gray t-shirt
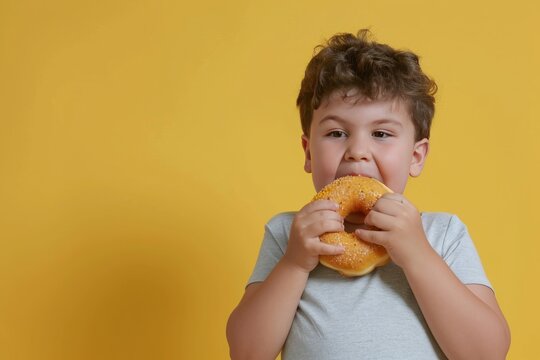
x=374, y=316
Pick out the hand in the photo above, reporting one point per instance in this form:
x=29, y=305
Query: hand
x=313, y=220
x=400, y=229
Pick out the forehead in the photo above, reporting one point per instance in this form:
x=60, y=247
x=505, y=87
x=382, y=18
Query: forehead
x=351, y=103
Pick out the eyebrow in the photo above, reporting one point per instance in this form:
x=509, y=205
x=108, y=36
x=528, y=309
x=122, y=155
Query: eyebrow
x=376, y=122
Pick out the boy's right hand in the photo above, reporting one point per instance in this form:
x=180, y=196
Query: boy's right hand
x=313, y=220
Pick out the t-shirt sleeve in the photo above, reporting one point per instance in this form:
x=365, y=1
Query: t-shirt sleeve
x=461, y=256
x=272, y=248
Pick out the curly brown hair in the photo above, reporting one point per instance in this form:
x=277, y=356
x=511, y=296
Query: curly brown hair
x=378, y=71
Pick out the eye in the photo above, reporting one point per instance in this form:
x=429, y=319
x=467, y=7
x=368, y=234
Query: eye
x=337, y=134
x=380, y=134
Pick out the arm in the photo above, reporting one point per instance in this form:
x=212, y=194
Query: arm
x=465, y=320
x=258, y=327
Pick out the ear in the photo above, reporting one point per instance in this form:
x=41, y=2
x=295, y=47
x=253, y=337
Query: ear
x=419, y=155
x=307, y=152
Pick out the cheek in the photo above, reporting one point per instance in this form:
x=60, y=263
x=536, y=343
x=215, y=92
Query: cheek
x=392, y=166
x=395, y=171
x=324, y=165
x=329, y=159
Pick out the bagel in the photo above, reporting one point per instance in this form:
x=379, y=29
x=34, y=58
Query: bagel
x=353, y=194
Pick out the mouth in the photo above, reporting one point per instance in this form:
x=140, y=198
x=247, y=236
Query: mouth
x=355, y=174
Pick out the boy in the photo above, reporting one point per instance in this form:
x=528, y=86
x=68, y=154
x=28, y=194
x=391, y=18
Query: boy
x=366, y=109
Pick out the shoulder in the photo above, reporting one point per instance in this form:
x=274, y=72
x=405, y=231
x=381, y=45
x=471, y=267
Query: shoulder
x=281, y=221
x=274, y=244
x=443, y=230
x=279, y=226
x=449, y=236
x=441, y=221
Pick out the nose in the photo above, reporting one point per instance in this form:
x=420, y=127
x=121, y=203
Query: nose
x=358, y=151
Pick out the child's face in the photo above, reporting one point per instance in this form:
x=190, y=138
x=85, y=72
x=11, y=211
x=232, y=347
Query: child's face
x=373, y=138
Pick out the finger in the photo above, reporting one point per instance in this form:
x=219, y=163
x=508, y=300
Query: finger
x=318, y=228
x=326, y=215
x=388, y=206
x=380, y=220
x=373, y=236
x=312, y=219
x=327, y=249
x=399, y=198
x=319, y=205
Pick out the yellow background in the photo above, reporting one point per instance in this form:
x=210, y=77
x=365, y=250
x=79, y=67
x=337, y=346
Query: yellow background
x=144, y=144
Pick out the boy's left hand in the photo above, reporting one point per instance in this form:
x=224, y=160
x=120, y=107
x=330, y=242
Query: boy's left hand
x=400, y=229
